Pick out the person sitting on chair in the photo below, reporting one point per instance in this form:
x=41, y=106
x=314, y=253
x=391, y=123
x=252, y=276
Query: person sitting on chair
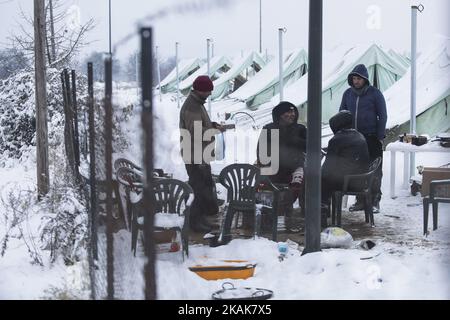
x=347, y=153
x=292, y=150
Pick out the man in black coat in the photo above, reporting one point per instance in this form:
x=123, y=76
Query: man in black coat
x=292, y=150
x=368, y=108
x=347, y=153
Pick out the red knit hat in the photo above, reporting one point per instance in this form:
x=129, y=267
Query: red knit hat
x=203, y=83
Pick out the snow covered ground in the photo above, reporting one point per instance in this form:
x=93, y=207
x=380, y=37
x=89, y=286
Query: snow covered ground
x=402, y=265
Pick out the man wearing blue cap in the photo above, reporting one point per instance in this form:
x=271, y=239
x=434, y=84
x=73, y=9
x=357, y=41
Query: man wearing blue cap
x=368, y=108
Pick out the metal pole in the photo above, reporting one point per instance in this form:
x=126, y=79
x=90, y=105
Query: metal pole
x=147, y=123
x=260, y=26
x=110, y=46
x=137, y=74
x=76, y=134
x=412, y=121
x=208, y=61
x=178, y=79
x=280, y=37
x=158, y=72
x=92, y=179
x=109, y=188
x=313, y=145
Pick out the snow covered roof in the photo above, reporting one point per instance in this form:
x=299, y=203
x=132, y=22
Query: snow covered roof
x=221, y=85
x=216, y=64
x=337, y=64
x=264, y=83
x=433, y=84
x=185, y=68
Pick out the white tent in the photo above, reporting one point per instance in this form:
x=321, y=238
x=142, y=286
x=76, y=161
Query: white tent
x=432, y=96
x=217, y=64
x=383, y=70
x=185, y=69
x=265, y=84
x=224, y=85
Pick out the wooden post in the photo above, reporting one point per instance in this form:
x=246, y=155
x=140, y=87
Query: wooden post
x=76, y=140
x=43, y=180
x=68, y=127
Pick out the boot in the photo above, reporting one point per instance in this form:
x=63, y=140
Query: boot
x=357, y=206
x=376, y=206
x=205, y=221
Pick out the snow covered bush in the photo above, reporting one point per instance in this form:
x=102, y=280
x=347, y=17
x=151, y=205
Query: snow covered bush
x=17, y=111
x=58, y=223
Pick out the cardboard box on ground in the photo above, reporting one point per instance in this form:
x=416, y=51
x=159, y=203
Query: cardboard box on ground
x=429, y=174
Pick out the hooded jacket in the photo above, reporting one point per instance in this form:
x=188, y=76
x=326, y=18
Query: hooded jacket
x=292, y=143
x=367, y=106
x=193, y=111
x=347, y=151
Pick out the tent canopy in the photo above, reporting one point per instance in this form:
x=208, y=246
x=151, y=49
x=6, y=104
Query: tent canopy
x=218, y=63
x=383, y=69
x=265, y=84
x=222, y=85
x=185, y=68
x=432, y=96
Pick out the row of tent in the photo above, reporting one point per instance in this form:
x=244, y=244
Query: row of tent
x=386, y=68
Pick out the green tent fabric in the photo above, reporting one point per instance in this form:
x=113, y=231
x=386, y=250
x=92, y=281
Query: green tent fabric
x=217, y=64
x=265, y=84
x=383, y=70
x=400, y=58
x=223, y=85
x=185, y=69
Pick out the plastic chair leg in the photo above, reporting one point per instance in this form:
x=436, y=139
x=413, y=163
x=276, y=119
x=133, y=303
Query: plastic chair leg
x=425, y=215
x=367, y=207
x=226, y=230
x=435, y=215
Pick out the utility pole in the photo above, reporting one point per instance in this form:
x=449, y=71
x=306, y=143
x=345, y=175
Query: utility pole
x=412, y=121
x=43, y=182
x=313, y=144
x=52, y=32
x=280, y=36
x=178, y=76
x=110, y=29
x=158, y=73
x=260, y=27
x=208, y=62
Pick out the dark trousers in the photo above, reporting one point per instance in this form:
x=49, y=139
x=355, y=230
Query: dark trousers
x=375, y=150
x=205, y=202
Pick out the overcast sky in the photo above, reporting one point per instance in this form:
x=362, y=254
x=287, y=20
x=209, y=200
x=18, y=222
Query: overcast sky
x=234, y=25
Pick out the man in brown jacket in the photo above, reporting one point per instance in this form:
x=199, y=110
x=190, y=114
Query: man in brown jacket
x=197, y=149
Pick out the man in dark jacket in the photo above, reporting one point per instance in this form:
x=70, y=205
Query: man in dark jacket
x=368, y=107
x=292, y=149
x=347, y=153
x=197, y=137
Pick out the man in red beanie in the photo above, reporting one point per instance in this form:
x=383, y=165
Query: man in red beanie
x=194, y=123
